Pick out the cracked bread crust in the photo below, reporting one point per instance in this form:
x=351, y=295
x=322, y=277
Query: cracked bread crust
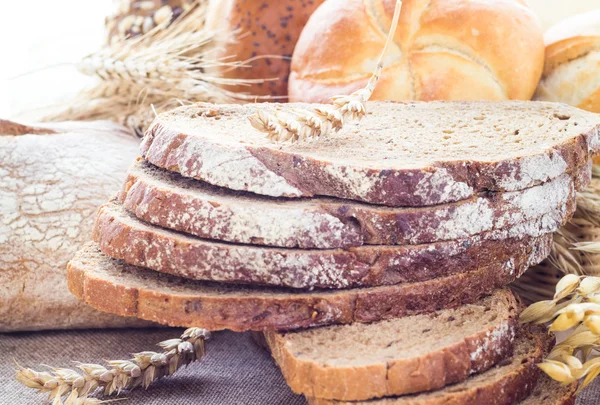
x=53, y=177
x=519, y=145
x=112, y=286
x=122, y=236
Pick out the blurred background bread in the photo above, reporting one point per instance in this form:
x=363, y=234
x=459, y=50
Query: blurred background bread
x=267, y=34
x=52, y=180
x=572, y=67
x=262, y=34
x=444, y=50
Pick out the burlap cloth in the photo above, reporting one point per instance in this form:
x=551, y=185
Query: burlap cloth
x=235, y=371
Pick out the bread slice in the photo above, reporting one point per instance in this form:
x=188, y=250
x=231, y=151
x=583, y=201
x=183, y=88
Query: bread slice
x=400, y=154
x=398, y=356
x=171, y=201
x=506, y=383
x=550, y=392
x=122, y=236
x=110, y=285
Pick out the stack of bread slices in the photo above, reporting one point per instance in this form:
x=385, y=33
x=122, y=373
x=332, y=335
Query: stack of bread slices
x=375, y=259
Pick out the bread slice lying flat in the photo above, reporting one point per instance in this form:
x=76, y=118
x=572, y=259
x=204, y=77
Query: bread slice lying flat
x=400, y=154
x=121, y=235
x=399, y=356
x=550, y=392
x=110, y=285
x=171, y=201
x=506, y=383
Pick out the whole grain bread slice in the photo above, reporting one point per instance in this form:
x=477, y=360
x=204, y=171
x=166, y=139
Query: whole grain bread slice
x=398, y=356
x=122, y=236
x=550, y=392
x=400, y=154
x=171, y=201
x=509, y=382
x=112, y=286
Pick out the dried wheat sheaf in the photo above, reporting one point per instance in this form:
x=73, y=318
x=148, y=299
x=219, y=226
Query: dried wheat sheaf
x=153, y=72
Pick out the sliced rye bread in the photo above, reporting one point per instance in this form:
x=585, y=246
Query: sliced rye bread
x=399, y=356
x=509, y=382
x=122, y=236
x=550, y=392
x=400, y=154
x=171, y=201
x=112, y=286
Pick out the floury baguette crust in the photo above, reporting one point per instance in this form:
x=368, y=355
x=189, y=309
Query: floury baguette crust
x=195, y=207
x=52, y=179
x=399, y=356
x=110, y=285
x=122, y=236
x=400, y=154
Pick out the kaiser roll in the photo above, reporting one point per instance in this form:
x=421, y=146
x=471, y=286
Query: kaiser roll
x=572, y=69
x=442, y=50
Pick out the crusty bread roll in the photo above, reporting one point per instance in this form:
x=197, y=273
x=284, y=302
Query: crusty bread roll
x=572, y=69
x=52, y=179
x=264, y=28
x=444, y=49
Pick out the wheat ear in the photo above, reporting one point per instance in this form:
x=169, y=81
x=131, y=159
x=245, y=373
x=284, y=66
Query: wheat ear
x=289, y=125
x=575, y=305
x=165, y=67
x=142, y=370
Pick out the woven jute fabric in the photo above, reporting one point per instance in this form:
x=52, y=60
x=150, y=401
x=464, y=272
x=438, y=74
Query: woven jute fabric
x=235, y=371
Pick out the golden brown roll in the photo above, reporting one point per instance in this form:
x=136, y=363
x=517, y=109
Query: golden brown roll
x=572, y=69
x=443, y=50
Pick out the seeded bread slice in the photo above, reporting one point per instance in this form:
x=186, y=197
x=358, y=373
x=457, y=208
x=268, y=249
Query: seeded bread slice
x=122, y=236
x=506, y=383
x=112, y=286
x=399, y=356
x=171, y=201
x=400, y=154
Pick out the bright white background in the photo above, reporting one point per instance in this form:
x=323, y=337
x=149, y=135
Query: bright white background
x=36, y=34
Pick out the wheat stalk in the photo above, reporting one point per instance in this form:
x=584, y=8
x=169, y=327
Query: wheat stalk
x=142, y=370
x=164, y=68
x=290, y=125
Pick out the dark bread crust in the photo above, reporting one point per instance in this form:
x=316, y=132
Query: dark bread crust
x=510, y=387
x=550, y=392
x=307, y=174
x=122, y=236
x=110, y=285
x=386, y=376
x=197, y=208
x=269, y=31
